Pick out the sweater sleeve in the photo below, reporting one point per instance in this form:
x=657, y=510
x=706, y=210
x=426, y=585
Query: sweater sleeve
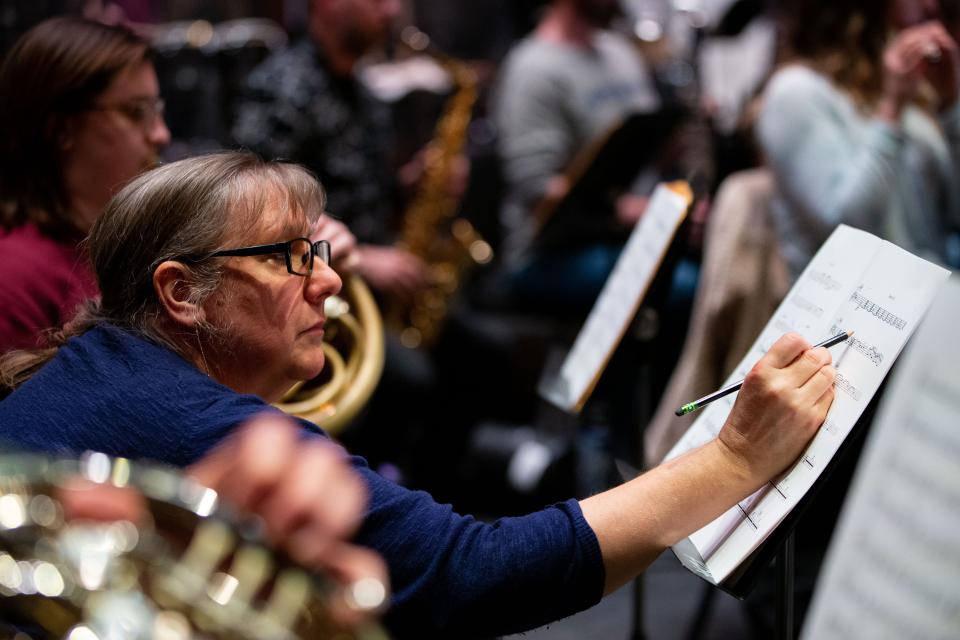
x=454, y=576
x=536, y=135
x=836, y=174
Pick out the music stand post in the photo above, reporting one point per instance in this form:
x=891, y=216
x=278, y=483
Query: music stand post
x=785, y=563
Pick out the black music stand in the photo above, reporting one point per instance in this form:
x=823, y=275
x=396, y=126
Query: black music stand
x=785, y=600
x=607, y=166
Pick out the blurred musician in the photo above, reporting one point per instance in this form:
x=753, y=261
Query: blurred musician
x=80, y=115
x=562, y=87
x=861, y=126
x=304, y=103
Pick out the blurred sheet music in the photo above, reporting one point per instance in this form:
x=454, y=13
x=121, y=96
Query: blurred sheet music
x=619, y=300
x=856, y=282
x=893, y=568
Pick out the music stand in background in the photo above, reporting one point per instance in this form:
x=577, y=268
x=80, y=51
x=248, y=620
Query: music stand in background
x=641, y=277
x=607, y=166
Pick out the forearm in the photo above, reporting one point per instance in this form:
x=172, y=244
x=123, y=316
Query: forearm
x=636, y=521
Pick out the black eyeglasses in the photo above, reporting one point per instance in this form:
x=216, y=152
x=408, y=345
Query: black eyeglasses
x=298, y=252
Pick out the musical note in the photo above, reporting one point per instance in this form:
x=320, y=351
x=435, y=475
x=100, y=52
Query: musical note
x=871, y=307
x=868, y=351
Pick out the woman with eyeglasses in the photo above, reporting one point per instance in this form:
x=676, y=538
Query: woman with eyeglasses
x=80, y=115
x=212, y=305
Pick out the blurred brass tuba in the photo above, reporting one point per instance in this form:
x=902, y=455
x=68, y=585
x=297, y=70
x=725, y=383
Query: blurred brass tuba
x=354, y=350
x=188, y=570
x=432, y=231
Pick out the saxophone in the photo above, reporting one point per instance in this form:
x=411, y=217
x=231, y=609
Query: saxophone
x=431, y=228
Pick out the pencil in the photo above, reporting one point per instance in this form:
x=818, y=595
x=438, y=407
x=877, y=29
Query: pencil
x=716, y=395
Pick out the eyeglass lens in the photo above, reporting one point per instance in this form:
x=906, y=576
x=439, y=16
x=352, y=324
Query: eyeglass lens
x=145, y=112
x=302, y=252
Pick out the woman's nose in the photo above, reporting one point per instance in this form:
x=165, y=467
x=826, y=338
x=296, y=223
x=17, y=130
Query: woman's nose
x=322, y=283
x=159, y=135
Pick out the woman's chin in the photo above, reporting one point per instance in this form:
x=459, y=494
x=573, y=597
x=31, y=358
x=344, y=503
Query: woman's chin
x=310, y=369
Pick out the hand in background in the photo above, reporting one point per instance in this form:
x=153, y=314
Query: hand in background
x=942, y=64
x=456, y=178
x=629, y=209
x=392, y=270
x=783, y=402
x=343, y=244
x=922, y=51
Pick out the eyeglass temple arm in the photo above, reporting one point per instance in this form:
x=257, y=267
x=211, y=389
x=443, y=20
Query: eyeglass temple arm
x=278, y=247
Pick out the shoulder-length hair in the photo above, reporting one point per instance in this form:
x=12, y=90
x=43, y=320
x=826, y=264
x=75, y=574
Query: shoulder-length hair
x=843, y=39
x=55, y=70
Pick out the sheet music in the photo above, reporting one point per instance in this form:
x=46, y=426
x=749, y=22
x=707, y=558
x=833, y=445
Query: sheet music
x=618, y=301
x=855, y=282
x=893, y=568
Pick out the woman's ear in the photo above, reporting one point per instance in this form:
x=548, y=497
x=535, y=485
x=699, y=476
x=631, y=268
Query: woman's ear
x=172, y=286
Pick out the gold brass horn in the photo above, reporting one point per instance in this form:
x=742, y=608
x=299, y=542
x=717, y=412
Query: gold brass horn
x=354, y=352
x=189, y=569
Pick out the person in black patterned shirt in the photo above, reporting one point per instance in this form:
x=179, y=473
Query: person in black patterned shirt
x=305, y=104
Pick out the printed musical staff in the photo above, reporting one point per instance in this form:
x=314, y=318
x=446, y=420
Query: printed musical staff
x=881, y=314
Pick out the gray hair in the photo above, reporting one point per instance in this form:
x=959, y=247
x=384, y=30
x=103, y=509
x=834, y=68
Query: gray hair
x=185, y=208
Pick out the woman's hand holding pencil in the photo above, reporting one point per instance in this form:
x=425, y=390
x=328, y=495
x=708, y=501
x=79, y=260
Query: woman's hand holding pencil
x=700, y=403
x=782, y=403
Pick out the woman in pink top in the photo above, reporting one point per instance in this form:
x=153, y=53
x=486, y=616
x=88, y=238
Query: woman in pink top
x=80, y=115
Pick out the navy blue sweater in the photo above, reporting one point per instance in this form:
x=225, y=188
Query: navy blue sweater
x=111, y=391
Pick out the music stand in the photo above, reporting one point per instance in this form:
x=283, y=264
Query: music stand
x=606, y=166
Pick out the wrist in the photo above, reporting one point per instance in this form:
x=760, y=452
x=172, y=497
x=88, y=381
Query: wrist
x=889, y=109
x=735, y=462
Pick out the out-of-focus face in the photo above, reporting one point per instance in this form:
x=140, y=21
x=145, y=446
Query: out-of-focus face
x=366, y=24
x=270, y=321
x=113, y=141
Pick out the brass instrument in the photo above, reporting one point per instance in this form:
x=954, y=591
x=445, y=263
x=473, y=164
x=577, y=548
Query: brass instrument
x=189, y=570
x=449, y=245
x=354, y=350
